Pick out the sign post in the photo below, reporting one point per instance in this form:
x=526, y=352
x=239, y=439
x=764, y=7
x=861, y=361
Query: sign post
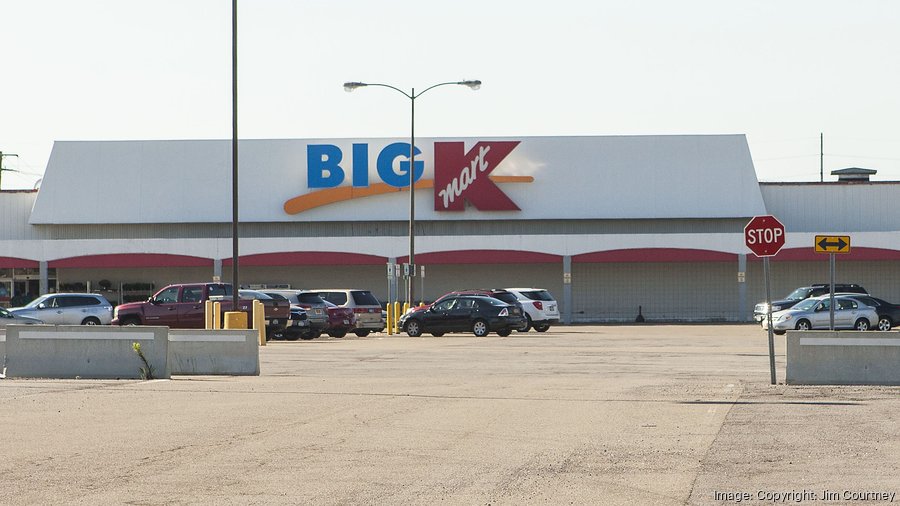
x=831, y=244
x=764, y=235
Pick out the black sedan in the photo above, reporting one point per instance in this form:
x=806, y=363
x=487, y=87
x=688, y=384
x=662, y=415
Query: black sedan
x=478, y=314
x=888, y=314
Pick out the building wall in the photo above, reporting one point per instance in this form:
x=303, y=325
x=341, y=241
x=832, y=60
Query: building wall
x=664, y=291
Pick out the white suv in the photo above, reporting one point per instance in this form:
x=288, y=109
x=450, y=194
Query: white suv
x=541, y=308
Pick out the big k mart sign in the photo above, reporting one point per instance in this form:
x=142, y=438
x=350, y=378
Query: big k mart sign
x=364, y=180
x=460, y=175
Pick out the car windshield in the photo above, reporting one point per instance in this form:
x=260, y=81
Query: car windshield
x=506, y=297
x=806, y=305
x=219, y=290
x=33, y=304
x=250, y=294
x=538, y=295
x=365, y=298
x=276, y=296
x=494, y=301
x=798, y=294
x=310, y=298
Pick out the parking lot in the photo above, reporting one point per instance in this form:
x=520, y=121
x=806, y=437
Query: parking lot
x=636, y=414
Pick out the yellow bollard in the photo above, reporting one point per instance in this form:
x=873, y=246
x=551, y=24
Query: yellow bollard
x=390, y=319
x=259, y=320
x=208, y=314
x=217, y=316
x=235, y=320
x=397, y=315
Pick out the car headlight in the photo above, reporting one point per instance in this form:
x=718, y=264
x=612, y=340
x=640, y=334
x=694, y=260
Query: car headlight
x=784, y=317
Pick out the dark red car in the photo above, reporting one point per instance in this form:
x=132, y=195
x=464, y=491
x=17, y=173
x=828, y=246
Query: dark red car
x=340, y=320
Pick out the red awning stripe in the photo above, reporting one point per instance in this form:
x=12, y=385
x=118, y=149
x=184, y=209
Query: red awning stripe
x=647, y=255
x=18, y=263
x=307, y=258
x=483, y=256
x=857, y=254
x=130, y=260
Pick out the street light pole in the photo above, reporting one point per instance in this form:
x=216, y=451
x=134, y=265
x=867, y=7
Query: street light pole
x=412, y=96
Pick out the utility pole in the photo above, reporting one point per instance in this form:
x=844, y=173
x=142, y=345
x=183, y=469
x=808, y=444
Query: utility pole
x=821, y=157
x=2, y=154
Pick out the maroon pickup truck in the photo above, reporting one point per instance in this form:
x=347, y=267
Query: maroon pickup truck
x=182, y=306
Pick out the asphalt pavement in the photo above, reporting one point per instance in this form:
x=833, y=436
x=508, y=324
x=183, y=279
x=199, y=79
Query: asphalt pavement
x=640, y=414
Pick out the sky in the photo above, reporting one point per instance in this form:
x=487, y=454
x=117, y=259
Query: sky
x=780, y=71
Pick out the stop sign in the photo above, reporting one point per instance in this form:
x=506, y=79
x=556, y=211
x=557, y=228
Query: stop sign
x=764, y=235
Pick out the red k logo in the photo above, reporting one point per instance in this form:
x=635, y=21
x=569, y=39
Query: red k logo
x=460, y=176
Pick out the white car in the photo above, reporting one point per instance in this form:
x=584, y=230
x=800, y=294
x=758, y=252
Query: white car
x=541, y=309
x=814, y=313
x=7, y=318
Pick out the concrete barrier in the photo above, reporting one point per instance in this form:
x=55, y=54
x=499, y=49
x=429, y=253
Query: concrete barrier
x=96, y=352
x=843, y=358
x=232, y=352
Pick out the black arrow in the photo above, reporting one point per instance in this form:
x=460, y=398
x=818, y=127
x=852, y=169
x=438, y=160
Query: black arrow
x=825, y=243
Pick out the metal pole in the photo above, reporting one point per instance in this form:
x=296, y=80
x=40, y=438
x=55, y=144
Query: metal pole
x=821, y=157
x=831, y=291
x=769, y=320
x=412, y=198
x=235, y=284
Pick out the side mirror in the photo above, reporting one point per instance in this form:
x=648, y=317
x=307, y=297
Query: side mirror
x=153, y=300
x=42, y=305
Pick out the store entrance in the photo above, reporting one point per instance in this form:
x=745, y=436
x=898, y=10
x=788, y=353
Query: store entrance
x=20, y=286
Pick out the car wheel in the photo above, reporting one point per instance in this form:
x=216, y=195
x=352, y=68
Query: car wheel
x=437, y=334
x=480, y=328
x=504, y=332
x=292, y=335
x=803, y=325
x=338, y=333
x=361, y=333
x=527, y=326
x=884, y=323
x=131, y=322
x=91, y=320
x=413, y=328
x=542, y=328
x=861, y=324
x=308, y=334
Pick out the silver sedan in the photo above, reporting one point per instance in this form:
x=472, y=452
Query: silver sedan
x=7, y=318
x=815, y=314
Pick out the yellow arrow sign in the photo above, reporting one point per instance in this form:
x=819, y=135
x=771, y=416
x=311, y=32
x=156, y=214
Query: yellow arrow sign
x=832, y=244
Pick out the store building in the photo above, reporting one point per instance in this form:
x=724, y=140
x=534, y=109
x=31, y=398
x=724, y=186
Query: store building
x=612, y=226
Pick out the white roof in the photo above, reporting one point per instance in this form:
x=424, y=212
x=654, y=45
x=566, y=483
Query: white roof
x=189, y=181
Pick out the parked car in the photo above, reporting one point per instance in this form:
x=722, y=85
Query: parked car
x=313, y=304
x=340, y=320
x=297, y=327
x=364, y=304
x=182, y=306
x=814, y=313
x=277, y=316
x=541, y=309
x=888, y=313
x=497, y=293
x=68, y=309
x=803, y=293
x=479, y=314
x=7, y=318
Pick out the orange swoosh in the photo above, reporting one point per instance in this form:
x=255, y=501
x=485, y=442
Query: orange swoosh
x=341, y=193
